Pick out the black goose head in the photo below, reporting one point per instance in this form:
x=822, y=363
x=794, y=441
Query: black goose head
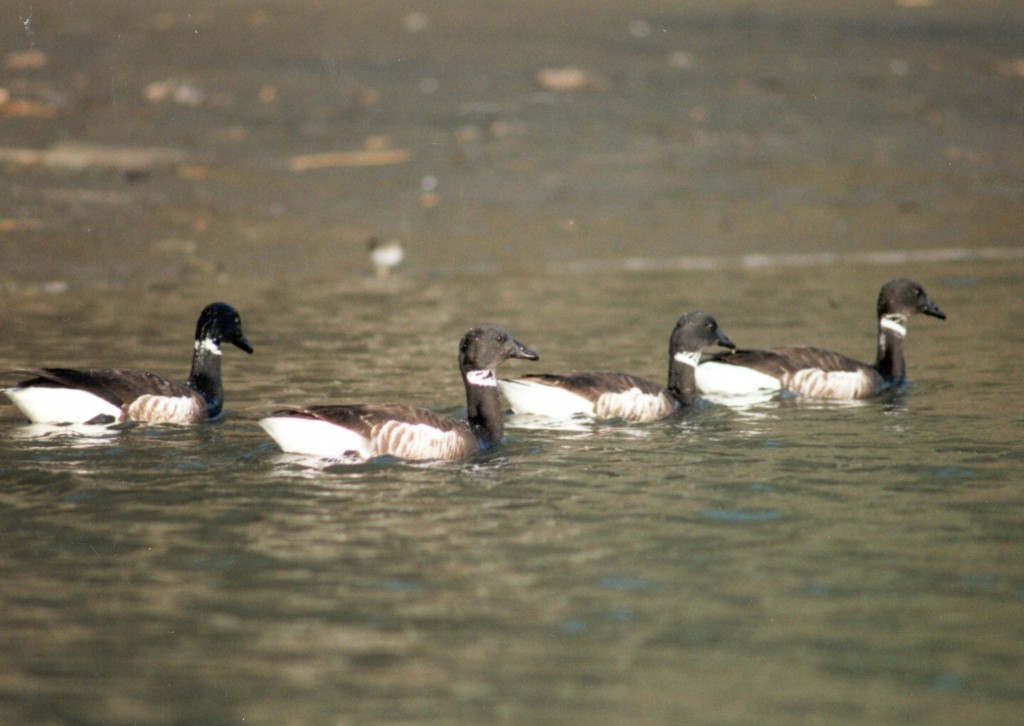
x=904, y=298
x=219, y=323
x=484, y=347
x=697, y=330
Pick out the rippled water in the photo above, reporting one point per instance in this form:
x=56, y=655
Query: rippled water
x=787, y=563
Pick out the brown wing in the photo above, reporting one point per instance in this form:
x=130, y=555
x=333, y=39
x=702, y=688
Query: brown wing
x=591, y=385
x=119, y=386
x=364, y=417
x=787, y=360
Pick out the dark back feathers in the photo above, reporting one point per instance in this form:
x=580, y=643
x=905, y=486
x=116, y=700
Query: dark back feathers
x=119, y=386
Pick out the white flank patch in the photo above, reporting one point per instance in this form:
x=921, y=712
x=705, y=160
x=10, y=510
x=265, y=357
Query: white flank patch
x=533, y=397
x=482, y=378
x=44, y=404
x=208, y=344
x=165, y=409
x=817, y=383
x=633, y=405
x=690, y=358
x=723, y=379
x=895, y=324
x=315, y=437
x=418, y=442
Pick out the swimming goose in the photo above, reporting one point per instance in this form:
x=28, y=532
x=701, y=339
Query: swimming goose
x=606, y=394
x=115, y=395
x=366, y=431
x=819, y=373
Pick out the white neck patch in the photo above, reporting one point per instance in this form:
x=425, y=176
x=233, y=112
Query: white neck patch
x=482, y=378
x=690, y=358
x=894, y=323
x=208, y=344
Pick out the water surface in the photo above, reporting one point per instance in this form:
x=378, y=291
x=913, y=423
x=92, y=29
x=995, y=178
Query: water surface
x=787, y=563
x=773, y=164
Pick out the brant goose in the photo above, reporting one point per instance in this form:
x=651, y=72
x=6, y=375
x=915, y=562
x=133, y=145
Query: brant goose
x=819, y=373
x=366, y=431
x=605, y=394
x=115, y=395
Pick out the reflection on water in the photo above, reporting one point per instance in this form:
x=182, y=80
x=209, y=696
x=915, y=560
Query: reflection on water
x=74, y=435
x=773, y=562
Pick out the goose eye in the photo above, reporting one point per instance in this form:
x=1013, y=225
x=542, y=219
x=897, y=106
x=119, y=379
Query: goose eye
x=502, y=338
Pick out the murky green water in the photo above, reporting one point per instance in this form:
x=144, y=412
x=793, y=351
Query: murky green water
x=790, y=563
x=772, y=163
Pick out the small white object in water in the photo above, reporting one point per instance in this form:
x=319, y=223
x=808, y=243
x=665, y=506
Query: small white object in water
x=385, y=255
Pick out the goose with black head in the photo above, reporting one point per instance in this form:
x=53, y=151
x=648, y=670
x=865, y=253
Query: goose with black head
x=116, y=395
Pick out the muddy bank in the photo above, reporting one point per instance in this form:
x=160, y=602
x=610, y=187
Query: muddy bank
x=142, y=143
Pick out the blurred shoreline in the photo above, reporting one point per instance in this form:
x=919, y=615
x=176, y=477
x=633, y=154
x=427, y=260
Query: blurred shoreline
x=151, y=145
